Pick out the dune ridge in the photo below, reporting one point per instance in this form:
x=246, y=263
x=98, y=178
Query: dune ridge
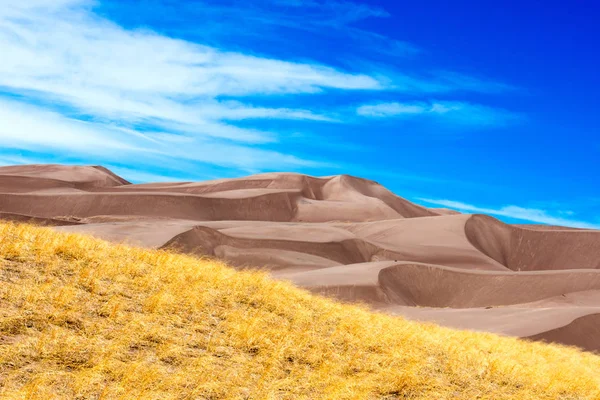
x=341, y=236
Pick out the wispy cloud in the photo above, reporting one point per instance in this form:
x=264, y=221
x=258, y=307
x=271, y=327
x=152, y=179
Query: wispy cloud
x=95, y=87
x=473, y=84
x=385, y=110
x=260, y=21
x=90, y=63
x=29, y=127
x=72, y=80
x=344, y=12
x=460, y=113
x=33, y=128
x=556, y=217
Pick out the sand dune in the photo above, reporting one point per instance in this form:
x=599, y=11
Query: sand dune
x=343, y=237
x=524, y=249
x=582, y=332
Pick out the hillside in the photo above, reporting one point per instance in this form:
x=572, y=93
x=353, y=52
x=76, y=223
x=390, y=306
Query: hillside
x=82, y=318
x=339, y=236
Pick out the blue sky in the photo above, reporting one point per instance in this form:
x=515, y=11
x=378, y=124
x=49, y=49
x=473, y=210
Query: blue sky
x=484, y=106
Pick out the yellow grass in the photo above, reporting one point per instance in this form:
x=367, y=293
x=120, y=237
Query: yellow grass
x=84, y=319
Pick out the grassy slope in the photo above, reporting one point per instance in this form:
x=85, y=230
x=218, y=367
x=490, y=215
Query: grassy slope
x=82, y=318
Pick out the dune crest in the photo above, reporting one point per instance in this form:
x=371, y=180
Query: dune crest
x=340, y=236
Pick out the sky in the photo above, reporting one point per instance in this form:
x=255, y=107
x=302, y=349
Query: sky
x=485, y=107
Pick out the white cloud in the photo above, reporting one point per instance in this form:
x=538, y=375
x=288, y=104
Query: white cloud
x=32, y=128
x=329, y=19
x=83, y=84
x=87, y=85
x=516, y=212
x=17, y=159
x=62, y=53
x=383, y=110
x=46, y=48
x=28, y=127
x=460, y=113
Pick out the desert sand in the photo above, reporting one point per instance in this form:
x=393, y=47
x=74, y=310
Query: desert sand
x=343, y=237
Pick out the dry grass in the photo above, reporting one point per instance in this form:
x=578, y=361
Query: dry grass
x=84, y=319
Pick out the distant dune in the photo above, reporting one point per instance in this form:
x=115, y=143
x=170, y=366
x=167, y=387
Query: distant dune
x=341, y=236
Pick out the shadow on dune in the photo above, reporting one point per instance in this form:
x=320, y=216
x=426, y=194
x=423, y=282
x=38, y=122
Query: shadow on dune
x=522, y=249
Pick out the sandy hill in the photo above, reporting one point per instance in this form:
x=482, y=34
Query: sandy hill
x=343, y=237
x=84, y=319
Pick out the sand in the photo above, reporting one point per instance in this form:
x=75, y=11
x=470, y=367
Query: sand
x=343, y=237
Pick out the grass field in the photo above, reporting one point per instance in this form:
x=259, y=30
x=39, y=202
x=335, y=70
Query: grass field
x=81, y=318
